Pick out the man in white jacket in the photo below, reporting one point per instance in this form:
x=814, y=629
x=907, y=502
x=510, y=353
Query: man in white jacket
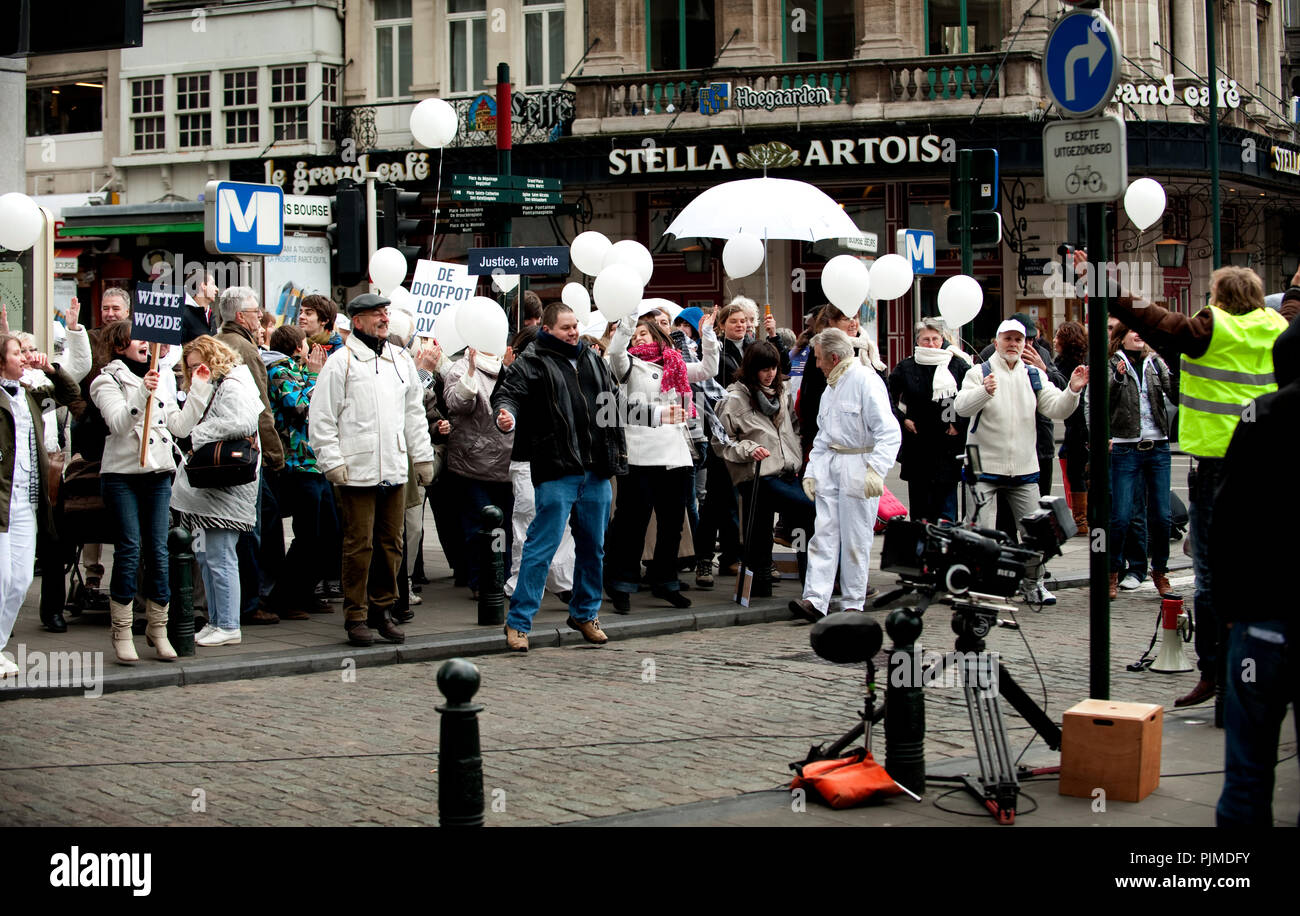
x=1003, y=396
x=857, y=441
x=366, y=417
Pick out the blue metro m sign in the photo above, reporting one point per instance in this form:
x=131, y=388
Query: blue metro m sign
x=241, y=218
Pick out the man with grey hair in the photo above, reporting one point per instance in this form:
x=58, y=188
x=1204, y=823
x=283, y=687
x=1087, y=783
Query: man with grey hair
x=241, y=317
x=857, y=441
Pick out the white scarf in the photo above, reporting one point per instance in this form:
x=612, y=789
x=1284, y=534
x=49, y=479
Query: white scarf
x=868, y=352
x=944, y=385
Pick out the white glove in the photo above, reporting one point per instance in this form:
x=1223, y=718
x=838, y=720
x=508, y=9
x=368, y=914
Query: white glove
x=809, y=488
x=337, y=476
x=875, y=485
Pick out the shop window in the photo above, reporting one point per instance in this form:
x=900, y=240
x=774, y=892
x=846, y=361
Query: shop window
x=543, y=43
x=289, y=102
x=962, y=26
x=148, y=125
x=68, y=108
x=467, y=38
x=239, y=106
x=680, y=34
x=393, y=49
x=817, y=30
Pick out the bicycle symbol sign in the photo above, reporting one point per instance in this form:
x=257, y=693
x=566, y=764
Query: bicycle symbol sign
x=1085, y=161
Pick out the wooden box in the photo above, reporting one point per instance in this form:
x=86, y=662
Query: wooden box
x=1111, y=746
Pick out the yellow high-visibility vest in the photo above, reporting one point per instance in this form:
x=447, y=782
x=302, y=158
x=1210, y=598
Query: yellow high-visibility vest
x=1236, y=369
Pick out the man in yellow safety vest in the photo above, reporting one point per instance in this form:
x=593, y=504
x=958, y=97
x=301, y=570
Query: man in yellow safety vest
x=1227, y=362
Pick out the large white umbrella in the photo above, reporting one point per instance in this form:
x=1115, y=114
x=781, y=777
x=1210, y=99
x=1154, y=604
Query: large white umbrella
x=770, y=208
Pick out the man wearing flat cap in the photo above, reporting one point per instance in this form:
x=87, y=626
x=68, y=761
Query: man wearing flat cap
x=1003, y=396
x=366, y=415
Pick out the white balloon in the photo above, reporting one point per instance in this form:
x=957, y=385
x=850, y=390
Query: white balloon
x=595, y=325
x=960, y=299
x=891, y=276
x=1144, y=202
x=505, y=282
x=588, y=252
x=387, y=269
x=633, y=254
x=401, y=323
x=400, y=299
x=618, y=291
x=846, y=281
x=742, y=255
x=444, y=331
x=482, y=324
x=433, y=123
x=576, y=297
x=20, y=221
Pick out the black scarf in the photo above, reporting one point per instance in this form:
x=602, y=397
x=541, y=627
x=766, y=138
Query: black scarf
x=372, y=343
x=551, y=342
x=11, y=386
x=1135, y=357
x=138, y=369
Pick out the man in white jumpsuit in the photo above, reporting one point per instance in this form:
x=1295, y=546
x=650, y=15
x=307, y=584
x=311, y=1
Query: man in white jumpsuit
x=857, y=442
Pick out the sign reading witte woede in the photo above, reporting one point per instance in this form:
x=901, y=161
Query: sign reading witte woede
x=156, y=314
x=547, y=261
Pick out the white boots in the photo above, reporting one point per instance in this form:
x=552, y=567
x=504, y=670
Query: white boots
x=156, y=632
x=123, y=643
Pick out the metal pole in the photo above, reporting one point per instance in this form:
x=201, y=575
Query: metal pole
x=1099, y=460
x=504, y=141
x=1213, y=80
x=967, y=253
x=372, y=226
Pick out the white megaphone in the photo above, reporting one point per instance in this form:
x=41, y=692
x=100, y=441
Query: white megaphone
x=1172, y=658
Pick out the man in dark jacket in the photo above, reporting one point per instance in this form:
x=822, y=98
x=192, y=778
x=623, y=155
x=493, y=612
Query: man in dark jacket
x=1261, y=668
x=560, y=400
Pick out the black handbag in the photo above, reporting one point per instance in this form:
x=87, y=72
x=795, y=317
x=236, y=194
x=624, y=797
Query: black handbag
x=225, y=463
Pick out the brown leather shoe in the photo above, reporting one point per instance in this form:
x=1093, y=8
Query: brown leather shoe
x=1161, y=582
x=1204, y=690
x=296, y=613
x=805, y=609
x=518, y=642
x=590, y=630
x=259, y=617
x=1114, y=585
x=359, y=634
x=387, y=628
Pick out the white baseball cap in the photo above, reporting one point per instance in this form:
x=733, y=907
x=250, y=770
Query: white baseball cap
x=342, y=322
x=1012, y=325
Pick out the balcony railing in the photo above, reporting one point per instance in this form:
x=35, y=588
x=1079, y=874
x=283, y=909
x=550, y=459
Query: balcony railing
x=538, y=117
x=921, y=79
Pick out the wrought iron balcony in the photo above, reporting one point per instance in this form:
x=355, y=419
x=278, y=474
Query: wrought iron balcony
x=538, y=117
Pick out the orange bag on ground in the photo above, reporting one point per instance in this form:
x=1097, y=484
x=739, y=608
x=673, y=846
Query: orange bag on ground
x=847, y=781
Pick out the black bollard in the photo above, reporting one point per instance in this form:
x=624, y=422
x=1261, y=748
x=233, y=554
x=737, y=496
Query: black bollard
x=460, y=761
x=492, y=568
x=180, y=616
x=905, y=703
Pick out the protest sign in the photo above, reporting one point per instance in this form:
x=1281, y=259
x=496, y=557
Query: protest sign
x=437, y=287
x=156, y=315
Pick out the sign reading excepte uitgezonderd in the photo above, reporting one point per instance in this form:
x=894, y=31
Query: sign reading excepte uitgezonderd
x=1085, y=161
x=156, y=314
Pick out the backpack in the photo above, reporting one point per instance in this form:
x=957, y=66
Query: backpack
x=1035, y=382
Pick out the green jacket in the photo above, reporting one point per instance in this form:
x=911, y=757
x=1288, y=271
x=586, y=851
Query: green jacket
x=44, y=518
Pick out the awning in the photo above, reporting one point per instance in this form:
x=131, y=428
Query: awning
x=132, y=219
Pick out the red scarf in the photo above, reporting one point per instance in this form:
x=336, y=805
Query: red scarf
x=674, y=367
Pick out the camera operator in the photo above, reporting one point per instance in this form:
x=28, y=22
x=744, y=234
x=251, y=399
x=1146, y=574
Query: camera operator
x=1004, y=396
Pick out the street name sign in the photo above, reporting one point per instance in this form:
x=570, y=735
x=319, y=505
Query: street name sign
x=547, y=261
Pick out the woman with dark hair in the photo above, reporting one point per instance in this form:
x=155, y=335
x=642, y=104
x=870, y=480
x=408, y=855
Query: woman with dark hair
x=657, y=382
x=1139, y=454
x=137, y=495
x=922, y=389
x=1071, y=343
x=758, y=415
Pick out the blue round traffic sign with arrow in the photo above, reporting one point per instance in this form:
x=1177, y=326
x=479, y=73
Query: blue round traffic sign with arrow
x=1081, y=63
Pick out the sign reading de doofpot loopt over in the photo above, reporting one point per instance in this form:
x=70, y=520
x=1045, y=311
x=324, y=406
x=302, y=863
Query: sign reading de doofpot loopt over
x=1085, y=161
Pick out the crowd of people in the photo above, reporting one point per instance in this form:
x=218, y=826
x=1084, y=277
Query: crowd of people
x=621, y=456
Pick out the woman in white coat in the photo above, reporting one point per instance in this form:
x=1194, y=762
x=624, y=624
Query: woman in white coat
x=657, y=383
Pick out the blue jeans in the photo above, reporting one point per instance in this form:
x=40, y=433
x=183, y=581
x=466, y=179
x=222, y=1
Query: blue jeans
x=1202, y=484
x=1140, y=484
x=140, y=503
x=1255, y=700
x=587, y=500
x=216, y=551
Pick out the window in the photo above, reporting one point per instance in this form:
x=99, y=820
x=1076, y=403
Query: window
x=239, y=106
x=467, y=37
x=69, y=108
x=681, y=35
x=329, y=100
x=193, y=111
x=543, y=43
x=962, y=26
x=148, y=126
x=289, y=103
x=817, y=30
x=1291, y=14
x=392, y=48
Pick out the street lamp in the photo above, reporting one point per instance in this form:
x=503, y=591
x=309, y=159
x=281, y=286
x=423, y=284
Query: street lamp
x=697, y=259
x=1239, y=257
x=1171, y=253
x=1290, y=264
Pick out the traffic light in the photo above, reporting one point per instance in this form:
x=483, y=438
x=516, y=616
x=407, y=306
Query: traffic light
x=976, y=172
x=347, y=235
x=396, y=225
